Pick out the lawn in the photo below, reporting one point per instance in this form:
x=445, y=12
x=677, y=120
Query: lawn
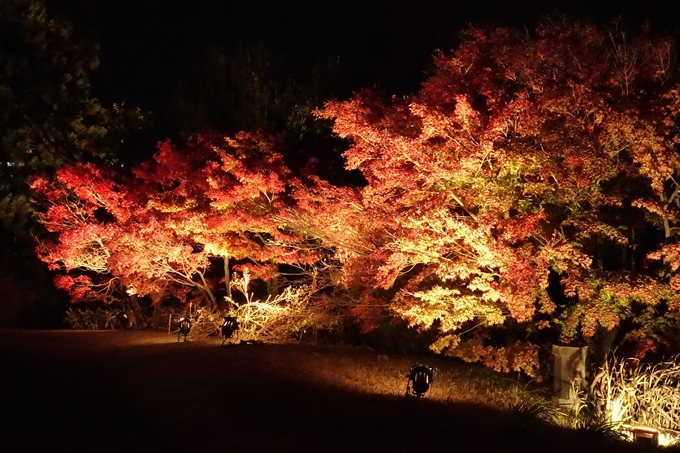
x=114, y=391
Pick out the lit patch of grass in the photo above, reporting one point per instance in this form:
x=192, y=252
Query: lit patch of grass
x=371, y=373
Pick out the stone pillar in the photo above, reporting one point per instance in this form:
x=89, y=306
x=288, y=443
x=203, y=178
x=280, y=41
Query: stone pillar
x=570, y=367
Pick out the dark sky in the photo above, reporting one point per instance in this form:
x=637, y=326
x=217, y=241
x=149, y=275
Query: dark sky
x=145, y=42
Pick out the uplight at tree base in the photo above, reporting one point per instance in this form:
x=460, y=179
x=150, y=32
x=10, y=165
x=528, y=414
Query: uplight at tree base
x=419, y=380
x=644, y=435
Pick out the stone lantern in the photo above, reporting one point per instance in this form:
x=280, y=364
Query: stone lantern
x=570, y=372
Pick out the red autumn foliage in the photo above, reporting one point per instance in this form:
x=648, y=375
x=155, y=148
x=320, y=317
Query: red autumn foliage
x=155, y=231
x=508, y=164
x=522, y=156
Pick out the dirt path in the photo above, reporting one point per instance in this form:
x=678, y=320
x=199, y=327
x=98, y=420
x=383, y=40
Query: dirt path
x=143, y=392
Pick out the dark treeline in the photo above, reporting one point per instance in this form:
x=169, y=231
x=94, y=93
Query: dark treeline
x=228, y=66
x=145, y=42
x=157, y=54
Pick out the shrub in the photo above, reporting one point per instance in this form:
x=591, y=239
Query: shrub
x=99, y=319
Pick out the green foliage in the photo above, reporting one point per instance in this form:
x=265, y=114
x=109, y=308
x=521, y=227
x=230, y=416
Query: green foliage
x=99, y=319
x=16, y=212
x=47, y=116
x=652, y=330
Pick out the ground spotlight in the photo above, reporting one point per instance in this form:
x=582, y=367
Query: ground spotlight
x=419, y=380
x=229, y=326
x=644, y=435
x=184, y=328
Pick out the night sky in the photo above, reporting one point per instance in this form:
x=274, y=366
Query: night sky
x=147, y=43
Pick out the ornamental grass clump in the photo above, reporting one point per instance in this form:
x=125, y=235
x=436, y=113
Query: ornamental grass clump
x=627, y=394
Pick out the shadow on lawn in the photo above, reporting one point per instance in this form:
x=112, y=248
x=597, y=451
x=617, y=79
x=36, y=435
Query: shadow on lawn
x=91, y=392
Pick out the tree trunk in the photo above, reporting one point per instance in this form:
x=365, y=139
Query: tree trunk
x=633, y=246
x=666, y=224
x=140, y=322
x=273, y=284
x=227, y=278
x=624, y=257
x=206, y=290
x=600, y=252
x=604, y=346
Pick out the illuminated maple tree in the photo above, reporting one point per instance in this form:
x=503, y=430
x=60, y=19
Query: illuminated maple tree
x=527, y=165
x=516, y=159
x=156, y=232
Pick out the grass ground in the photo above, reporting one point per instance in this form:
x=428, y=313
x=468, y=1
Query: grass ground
x=111, y=391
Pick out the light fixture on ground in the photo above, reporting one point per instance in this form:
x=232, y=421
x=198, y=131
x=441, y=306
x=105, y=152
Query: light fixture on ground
x=229, y=326
x=184, y=325
x=645, y=435
x=419, y=380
